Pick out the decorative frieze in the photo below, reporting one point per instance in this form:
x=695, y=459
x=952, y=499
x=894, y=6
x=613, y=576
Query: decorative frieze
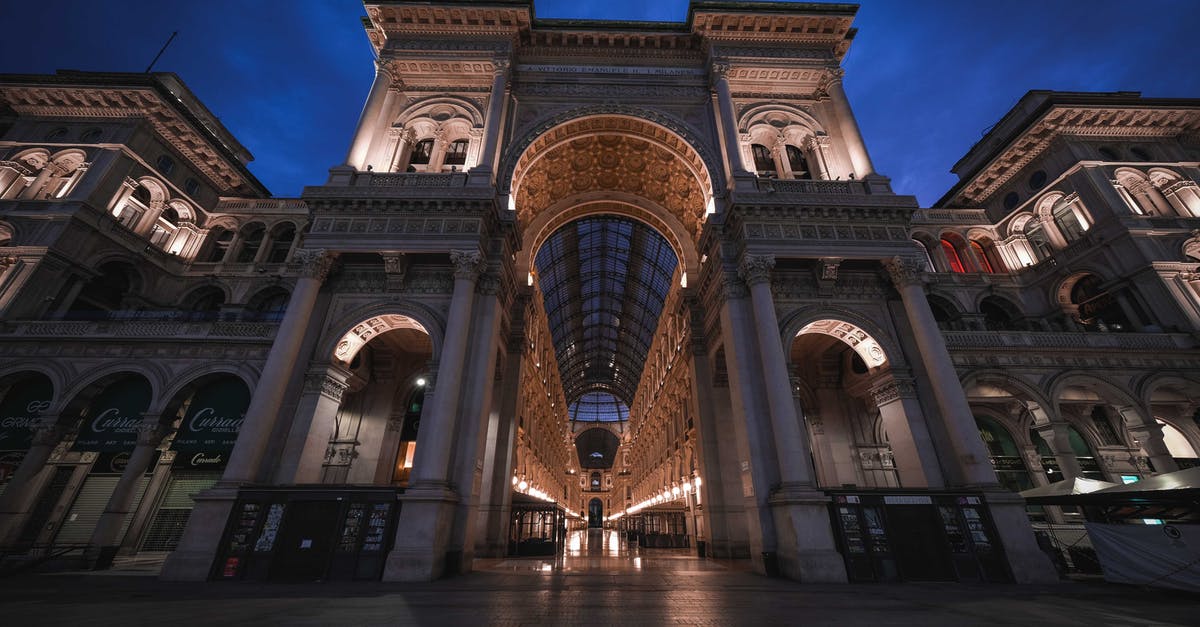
x=398, y=226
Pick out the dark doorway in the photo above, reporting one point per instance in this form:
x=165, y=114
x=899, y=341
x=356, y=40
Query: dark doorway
x=306, y=541
x=595, y=513
x=918, y=544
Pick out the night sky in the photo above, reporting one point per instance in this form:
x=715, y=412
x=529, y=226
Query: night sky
x=925, y=77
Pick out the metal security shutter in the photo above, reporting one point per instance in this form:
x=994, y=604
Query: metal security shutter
x=175, y=508
x=45, y=504
x=85, y=512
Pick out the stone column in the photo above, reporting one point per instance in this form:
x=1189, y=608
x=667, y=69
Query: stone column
x=904, y=423
x=33, y=192
x=806, y=546
x=495, y=115
x=1150, y=435
x=727, y=118
x=312, y=427
x=852, y=139
x=193, y=558
x=430, y=464
x=106, y=536
x=21, y=493
x=782, y=163
x=423, y=533
x=495, y=493
x=795, y=466
x=402, y=138
x=364, y=132
x=1058, y=437
x=970, y=459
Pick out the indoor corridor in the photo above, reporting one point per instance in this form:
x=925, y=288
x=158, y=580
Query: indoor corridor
x=607, y=551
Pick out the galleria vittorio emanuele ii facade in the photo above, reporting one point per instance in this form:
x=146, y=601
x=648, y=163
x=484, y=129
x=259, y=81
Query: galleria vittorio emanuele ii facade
x=631, y=276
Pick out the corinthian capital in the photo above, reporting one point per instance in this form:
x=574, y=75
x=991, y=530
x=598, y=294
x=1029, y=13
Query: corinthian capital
x=756, y=269
x=468, y=264
x=314, y=263
x=905, y=271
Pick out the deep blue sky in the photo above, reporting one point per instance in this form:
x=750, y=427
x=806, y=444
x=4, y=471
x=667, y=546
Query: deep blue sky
x=925, y=77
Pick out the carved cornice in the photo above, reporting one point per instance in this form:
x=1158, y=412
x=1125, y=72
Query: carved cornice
x=325, y=385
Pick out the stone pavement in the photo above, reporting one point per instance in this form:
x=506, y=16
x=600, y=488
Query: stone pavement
x=600, y=586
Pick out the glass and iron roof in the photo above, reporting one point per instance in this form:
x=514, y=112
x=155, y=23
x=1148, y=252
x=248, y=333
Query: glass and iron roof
x=604, y=281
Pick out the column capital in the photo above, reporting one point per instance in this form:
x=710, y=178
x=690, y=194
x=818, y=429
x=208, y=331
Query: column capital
x=314, y=263
x=468, y=264
x=892, y=390
x=390, y=71
x=905, y=271
x=756, y=269
x=500, y=67
x=719, y=71
x=732, y=287
x=326, y=385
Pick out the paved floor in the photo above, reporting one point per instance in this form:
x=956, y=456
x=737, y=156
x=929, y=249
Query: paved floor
x=597, y=582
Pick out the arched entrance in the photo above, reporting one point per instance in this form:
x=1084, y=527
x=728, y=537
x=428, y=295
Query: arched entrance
x=595, y=513
x=610, y=208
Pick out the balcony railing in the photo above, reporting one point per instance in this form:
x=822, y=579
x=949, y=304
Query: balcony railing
x=1064, y=340
x=140, y=329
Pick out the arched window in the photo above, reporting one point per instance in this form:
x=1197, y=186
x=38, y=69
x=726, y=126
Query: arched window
x=1068, y=221
x=252, y=239
x=104, y=293
x=999, y=314
x=205, y=303
x=764, y=163
x=1038, y=242
x=1140, y=154
x=269, y=305
x=799, y=164
x=219, y=241
x=422, y=152
x=952, y=257
x=984, y=264
x=1108, y=154
x=456, y=153
x=281, y=243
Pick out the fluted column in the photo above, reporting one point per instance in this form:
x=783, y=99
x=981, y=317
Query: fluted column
x=430, y=464
x=283, y=358
x=795, y=466
x=971, y=459
x=21, y=492
x=495, y=113
x=727, y=118
x=106, y=536
x=851, y=136
x=313, y=425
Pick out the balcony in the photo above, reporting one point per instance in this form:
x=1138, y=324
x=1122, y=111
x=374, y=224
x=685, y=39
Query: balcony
x=149, y=329
x=1021, y=340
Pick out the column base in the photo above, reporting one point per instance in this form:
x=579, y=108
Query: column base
x=1028, y=563
x=422, y=535
x=806, y=549
x=193, y=559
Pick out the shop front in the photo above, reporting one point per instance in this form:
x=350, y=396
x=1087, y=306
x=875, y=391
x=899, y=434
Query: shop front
x=929, y=536
x=314, y=533
x=201, y=447
x=22, y=403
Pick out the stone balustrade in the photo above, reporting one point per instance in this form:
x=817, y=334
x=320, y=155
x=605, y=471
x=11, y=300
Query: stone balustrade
x=967, y=340
x=140, y=329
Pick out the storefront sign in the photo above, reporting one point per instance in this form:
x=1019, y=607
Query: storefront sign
x=21, y=408
x=907, y=500
x=201, y=460
x=212, y=423
x=111, y=423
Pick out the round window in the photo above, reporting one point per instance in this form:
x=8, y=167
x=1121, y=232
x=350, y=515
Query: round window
x=57, y=133
x=1037, y=180
x=165, y=164
x=1011, y=200
x=90, y=135
x=191, y=186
